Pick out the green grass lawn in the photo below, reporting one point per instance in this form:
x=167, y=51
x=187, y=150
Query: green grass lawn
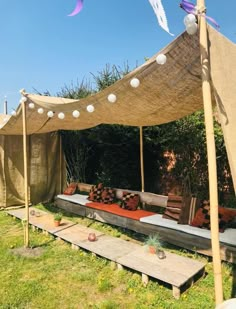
x=64, y=278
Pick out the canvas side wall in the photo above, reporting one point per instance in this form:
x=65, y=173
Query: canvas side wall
x=46, y=169
x=223, y=74
x=11, y=167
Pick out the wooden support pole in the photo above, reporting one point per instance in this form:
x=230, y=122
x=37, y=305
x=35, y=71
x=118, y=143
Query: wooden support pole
x=176, y=292
x=61, y=165
x=211, y=154
x=119, y=266
x=26, y=240
x=141, y=157
x=113, y=265
x=145, y=279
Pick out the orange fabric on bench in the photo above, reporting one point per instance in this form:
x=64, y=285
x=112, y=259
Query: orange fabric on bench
x=115, y=209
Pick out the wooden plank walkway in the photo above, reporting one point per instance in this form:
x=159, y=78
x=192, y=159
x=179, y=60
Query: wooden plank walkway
x=177, y=271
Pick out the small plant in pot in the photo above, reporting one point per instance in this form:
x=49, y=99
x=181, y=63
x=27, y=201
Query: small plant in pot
x=57, y=219
x=154, y=244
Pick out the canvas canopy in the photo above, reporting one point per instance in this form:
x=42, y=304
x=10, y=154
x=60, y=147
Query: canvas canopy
x=166, y=93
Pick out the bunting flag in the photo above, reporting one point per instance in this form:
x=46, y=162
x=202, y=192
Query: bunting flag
x=78, y=8
x=191, y=8
x=161, y=15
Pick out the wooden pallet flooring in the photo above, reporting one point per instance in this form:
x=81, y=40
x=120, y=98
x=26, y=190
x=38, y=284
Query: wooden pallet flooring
x=177, y=271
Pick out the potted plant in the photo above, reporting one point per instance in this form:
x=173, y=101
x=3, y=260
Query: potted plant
x=57, y=219
x=154, y=245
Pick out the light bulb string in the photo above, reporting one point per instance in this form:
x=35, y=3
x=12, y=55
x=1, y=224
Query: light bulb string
x=95, y=101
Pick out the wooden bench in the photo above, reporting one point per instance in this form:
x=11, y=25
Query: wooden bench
x=179, y=238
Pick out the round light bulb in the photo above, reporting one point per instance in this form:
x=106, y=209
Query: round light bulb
x=31, y=105
x=161, y=59
x=50, y=114
x=13, y=113
x=40, y=110
x=189, y=19
x=75, y=114
x=23, y=99
x=90, y=108
x=134, y=82
x=61, y=115
x=192, y=29
x=112, y=98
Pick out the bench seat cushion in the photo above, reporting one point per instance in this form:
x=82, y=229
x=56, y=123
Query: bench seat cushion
x=228, y=237
x=115, y=209
x=75, y=198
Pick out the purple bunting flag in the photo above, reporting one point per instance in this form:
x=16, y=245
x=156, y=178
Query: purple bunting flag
x=78, y=8
x=190, y=8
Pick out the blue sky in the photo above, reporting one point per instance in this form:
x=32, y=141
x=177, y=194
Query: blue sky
x=43, y=48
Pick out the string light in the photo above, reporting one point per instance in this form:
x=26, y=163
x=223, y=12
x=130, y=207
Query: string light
x=112, y=98
x=23, y=99
x=61, y=115
x=161, y=59
x=192, y=29
x=50, y=114
x=90, y=108
x=189, y=19
x=134, y=82
x=190, y=23
x=76, y=114
x=40, y=110
x=31, y=105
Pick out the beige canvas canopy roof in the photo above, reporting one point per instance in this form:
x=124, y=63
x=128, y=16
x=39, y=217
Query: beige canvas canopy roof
x=166, y=93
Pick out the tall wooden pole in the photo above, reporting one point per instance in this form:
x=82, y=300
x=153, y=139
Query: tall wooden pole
x=26, y=224
x=61, y=165
x=141, y=158
x=211, y=154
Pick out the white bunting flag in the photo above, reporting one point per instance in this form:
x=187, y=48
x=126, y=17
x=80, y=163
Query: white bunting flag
x=160, y=13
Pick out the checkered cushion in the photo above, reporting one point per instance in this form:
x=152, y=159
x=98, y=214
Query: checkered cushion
x=203, y=219
x=108, y=195
x=95, y=194
x=130, y=201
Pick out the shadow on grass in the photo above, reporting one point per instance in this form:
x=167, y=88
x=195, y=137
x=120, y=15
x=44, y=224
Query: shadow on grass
x=43, y=245
x=233, y=291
